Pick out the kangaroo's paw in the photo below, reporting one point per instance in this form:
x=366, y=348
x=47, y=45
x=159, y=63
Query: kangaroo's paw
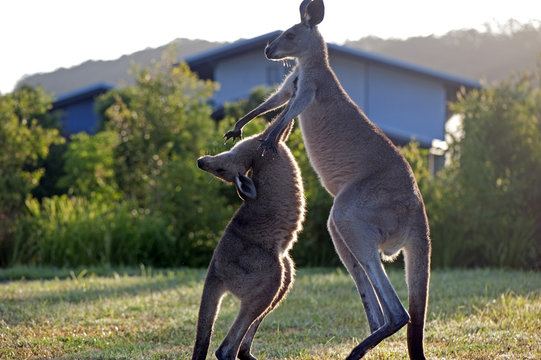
x=268, y=145
x=233, y=134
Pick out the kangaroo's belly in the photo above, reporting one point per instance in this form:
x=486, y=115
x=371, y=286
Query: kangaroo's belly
x=332, y=151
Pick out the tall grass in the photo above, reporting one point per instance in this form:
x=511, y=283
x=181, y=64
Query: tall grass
x=72, y=231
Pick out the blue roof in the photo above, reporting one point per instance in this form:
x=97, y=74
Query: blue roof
x=390, y=62
x=82, y=93
x=241, y=46
x=233, y=49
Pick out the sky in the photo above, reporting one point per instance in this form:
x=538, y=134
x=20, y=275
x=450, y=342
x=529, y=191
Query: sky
x=44, y=35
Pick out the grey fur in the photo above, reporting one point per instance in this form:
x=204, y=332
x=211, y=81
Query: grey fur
x=377, y=206
x=252, y=258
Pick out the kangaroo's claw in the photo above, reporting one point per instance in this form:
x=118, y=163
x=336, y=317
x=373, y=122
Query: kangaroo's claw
x=232, y=134
x=267, y=145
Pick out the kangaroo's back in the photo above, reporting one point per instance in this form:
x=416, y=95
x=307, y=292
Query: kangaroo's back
x=275, y=217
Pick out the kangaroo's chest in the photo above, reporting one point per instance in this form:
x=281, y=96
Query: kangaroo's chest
x=323, y=147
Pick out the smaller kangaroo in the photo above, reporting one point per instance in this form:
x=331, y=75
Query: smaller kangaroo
x=252, y=260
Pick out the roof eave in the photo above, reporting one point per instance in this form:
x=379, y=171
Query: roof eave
x=83, y=93
x=393, y=63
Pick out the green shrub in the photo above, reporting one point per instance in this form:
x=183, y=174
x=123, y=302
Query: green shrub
x=484, y=207
x=88, y=166
x=24, y=143
x=73, y=231
x=195, y=209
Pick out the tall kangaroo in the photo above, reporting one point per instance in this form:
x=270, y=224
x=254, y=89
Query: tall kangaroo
x=252, y=258
x=377, y=204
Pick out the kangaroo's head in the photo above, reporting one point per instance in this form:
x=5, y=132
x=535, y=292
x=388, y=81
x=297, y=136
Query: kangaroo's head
x=233, y=166
x=302, y=38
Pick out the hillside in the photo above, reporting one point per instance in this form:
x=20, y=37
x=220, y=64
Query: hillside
x=112, y=71
x=489, y=55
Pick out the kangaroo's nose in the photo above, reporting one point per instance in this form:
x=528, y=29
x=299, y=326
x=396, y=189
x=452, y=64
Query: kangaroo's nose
x=268, y=52
x=201, y=162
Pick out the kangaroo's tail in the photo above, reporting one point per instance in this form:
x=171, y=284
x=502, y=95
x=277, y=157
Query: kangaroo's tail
x=417, y=261
x=213, y=292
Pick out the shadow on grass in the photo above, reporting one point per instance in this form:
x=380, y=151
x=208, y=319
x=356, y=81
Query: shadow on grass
x=19, y=304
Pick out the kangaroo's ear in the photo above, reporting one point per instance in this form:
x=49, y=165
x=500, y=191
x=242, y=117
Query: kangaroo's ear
x=312, y=12
x=245, y=187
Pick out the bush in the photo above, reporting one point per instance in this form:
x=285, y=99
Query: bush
x=135, y=193
x=24, y=145
x=88, y=166
x=485, y=208
x=195, y=209
x=74, y=231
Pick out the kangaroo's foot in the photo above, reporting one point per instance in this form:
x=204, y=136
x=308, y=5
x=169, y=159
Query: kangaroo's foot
x=268, y=145
x=245, y=355
x=377, y=336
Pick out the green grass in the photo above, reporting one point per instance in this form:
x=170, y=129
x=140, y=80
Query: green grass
x=144, y=314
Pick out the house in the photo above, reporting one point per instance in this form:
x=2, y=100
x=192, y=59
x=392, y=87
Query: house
x=77, y=108
x=406, y=101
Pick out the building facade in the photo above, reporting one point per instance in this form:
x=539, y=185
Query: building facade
x=405, y=101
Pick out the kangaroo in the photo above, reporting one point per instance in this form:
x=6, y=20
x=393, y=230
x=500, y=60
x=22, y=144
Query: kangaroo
x=252, y=260
x=377, y=206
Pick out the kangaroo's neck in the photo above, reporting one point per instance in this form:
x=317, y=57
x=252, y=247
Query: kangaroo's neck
x=318, y=56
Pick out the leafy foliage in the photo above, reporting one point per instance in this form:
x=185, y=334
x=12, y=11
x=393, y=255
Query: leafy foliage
x=485, y=210
x=134, y=194
x=89, y=165
x=76, y=231
x=24, y=143
x=162, y=115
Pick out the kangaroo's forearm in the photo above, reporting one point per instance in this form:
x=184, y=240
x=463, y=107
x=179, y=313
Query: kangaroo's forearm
x=276, y=100
x=249, y=117
x=294, y=109
x=272, y=103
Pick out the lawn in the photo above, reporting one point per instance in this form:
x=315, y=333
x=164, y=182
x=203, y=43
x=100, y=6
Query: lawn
x=145, y=314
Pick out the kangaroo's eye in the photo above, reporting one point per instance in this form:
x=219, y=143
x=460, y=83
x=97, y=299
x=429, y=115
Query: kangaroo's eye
x=290, y=36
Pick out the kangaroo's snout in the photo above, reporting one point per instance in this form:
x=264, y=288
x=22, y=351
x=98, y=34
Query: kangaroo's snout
x=201, y=163
x=269, y=51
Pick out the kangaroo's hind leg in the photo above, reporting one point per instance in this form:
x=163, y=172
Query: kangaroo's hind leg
x=289, y=275
x=213, y=292
x=357, y=227
x=255, y=301
x=374, y=314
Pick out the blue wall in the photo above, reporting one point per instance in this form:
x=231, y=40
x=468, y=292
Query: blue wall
x=406, y=105
x=79, y=117
x=77, y=108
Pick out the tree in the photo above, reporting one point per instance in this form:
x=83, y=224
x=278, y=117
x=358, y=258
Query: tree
x=163, y=125
x=163, y=114
x=24, y=143
x=492, y=192
x=88, y=166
